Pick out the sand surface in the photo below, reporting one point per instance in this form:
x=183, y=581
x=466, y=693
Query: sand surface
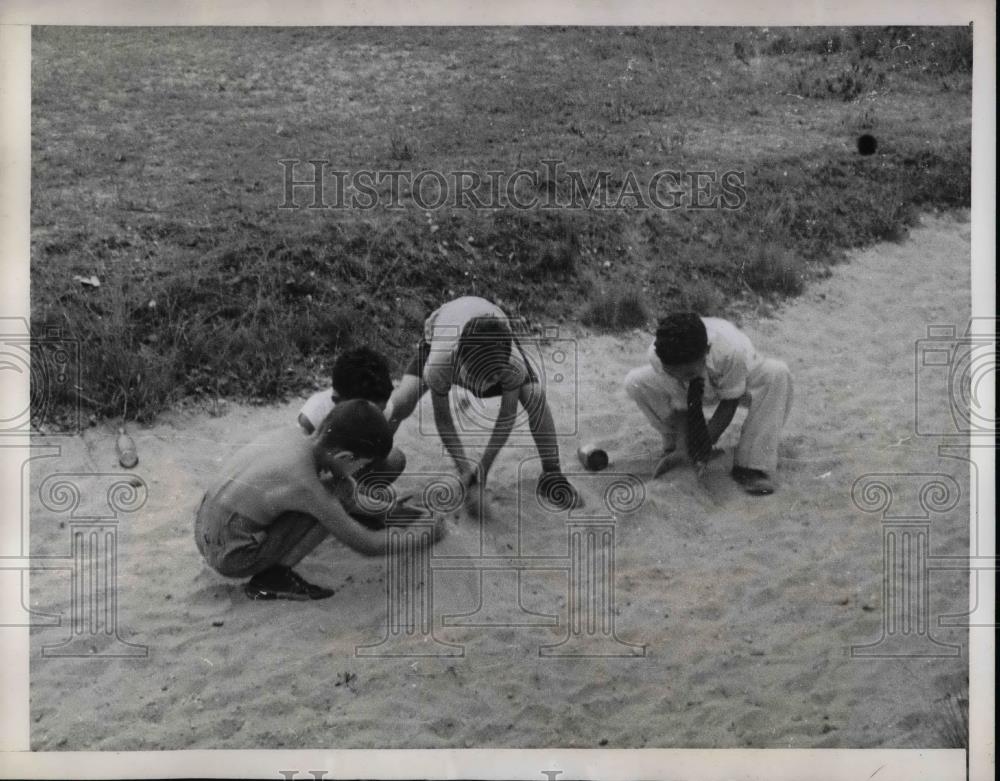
x=746, y=607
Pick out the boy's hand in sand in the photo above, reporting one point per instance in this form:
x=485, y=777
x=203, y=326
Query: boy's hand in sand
x=440, y=527
x=669, y=460
x=677, y=457
x=472, y=492
x=468, y=476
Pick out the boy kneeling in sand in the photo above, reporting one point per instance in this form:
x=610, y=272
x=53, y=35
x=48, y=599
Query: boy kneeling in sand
x=273, y=504
x=470, y=342
x=696, y=360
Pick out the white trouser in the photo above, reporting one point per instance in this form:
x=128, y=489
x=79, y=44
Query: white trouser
x=663, y=400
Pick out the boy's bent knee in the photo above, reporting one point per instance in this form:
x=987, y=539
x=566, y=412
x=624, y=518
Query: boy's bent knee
x=772, y=368
x=532, y=397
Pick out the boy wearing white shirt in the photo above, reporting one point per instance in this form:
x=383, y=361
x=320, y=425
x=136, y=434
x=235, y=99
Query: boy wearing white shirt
x=695, y=360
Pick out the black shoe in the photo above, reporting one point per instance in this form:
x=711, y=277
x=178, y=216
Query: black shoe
x=754, y=481
x=373, y=521
x=554, y=490
x=281, y=582
x=404, y=513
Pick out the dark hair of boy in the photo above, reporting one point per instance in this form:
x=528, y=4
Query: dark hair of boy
x=680, y=338
x=359, y=427
x=362, y=373
x=485, y=335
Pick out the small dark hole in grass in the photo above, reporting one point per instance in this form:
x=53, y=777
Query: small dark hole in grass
x=867, y=144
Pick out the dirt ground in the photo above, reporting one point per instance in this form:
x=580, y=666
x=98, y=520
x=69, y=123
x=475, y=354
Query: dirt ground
x=746, y=606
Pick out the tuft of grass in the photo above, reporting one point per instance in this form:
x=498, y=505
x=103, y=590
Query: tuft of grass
x=952, y=721
x=822, y=41
x=616, y=310
x=918, y=51
x=891, y=220
x=841, y=81
x=933, y=51
x=769, y=269
x=703, y=296
x=537, y=245
x=401, y=148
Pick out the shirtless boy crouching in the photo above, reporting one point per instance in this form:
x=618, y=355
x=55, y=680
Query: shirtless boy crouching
x=276, y=500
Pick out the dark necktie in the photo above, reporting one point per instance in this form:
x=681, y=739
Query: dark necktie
x=699, y=445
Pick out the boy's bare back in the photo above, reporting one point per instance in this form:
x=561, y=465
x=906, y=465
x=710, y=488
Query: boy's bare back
x=271, y=476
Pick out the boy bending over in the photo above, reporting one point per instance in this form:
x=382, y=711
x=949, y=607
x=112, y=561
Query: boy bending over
x=275, y=501
x=697, y=360
x=469, y=342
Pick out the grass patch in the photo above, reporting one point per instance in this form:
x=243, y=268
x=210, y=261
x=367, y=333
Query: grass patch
x=843, y=81
x=772, y=269
x=952, y=721
x=154, y=168
x=616, y=310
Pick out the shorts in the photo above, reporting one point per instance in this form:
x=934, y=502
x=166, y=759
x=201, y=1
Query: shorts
x=415, y=368
x=237, y=547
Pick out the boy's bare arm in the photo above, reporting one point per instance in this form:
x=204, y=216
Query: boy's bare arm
x=334, y=517
x=446, y=430
x=365, y=541
x=306, y=424
x=502, y=429
x=403, y=401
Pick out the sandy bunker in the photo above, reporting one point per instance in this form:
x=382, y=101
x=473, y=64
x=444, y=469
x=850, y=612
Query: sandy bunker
x=746, y=608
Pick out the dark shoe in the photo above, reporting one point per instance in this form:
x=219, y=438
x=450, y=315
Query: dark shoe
x=403, y=513
x=373, y=521
x=554, y=490
x=754, y=481
x=281, y=582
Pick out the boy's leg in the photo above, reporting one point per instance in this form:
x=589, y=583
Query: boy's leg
x=289, y=539
x=202, y=534
x=543, y=427
x=292, y=537
x=770, y=389
x=556, y=489
x=236, y=547
x=662, y=400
